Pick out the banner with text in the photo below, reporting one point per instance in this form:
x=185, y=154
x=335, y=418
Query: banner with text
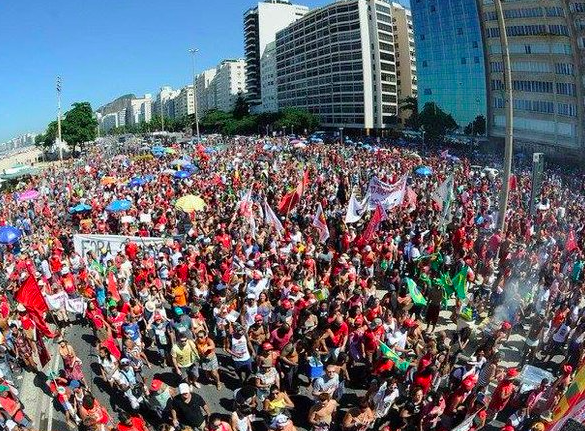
x=388, y=195
x=110, y=243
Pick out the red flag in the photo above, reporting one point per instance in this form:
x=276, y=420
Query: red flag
x=31, y=297
x=293, y=197
x=378, y=217
x=512, y=182
x=44, y=355
x=288, y=202
x=571, y=243
x=113, y=286
x=411, y=198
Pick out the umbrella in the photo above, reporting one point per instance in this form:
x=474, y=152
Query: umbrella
x=149, y=177
x=179, y=162
x=9, y=234
x=190, y=167
x=170, y=151
x=423, y=170
x=169, y=172
x=295, y=141
x=106, y=181
x=300, y=145
x=182, y=174
x=190, y=203
x=157, y=149
x=29, y=195
x=209, y=150
x=136, y=182
x=119, y=205
x=79, y=208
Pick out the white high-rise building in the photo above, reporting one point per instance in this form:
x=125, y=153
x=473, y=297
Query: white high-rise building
x=219, y=88
x=339, y=63
x=268, y=80
x=205, y=91
x=140, y=110
x=162, y=104
x=108, y=122
x=185, y=102
x=405, y=54
x=261, y=24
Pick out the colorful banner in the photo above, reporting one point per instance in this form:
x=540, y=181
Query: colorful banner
x=388, y=195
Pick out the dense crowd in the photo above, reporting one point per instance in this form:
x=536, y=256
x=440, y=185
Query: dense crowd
x=271, y=283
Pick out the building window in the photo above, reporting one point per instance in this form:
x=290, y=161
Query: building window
x=459, y=31
x=433, y=8
x=463, y=60
x=428, y=91
x=474, y=44
x=422, y=37
x=424, y=63
x=476, y=60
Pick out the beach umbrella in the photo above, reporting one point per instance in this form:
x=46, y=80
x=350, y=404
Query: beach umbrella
x=106, y=181
x=300, y=145
x=9, y=234
x=157, y=149
x=190, y=167
x=182, y=174
x=136, y=182
x=119, y=205
x=295, y=141
x=79, y=208
x=29, y=195
x=179, y=162
x=170, y=151
x=190, y=203
x=209, y=150
x=149, y=177
x=423, y=171
x=169, y=172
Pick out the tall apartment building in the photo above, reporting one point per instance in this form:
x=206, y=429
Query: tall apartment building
x=268, y=80
x=406, y=78
x=339, y=63
x=108, y=122
x=205, y=92
x=140, y=110
x=261, y=24
x=546, y=42
x=185, y=102
x=163, y=104
x=219, y=88
x=450, y=57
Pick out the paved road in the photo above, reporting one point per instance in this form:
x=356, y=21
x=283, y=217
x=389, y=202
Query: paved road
x=41, y=407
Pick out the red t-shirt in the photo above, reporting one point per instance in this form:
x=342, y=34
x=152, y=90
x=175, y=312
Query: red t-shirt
x=372, y=337
x=137, y=425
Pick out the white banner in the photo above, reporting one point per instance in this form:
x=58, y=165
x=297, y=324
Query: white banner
x=111, y=243
x=355, y=209
x=389, y=195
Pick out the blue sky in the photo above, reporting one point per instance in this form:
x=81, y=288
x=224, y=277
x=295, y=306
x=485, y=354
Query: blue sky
x=103, y=49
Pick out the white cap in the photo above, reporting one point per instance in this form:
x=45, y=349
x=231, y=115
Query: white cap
x=21, y=308
x=10, y=425
x=184, y=388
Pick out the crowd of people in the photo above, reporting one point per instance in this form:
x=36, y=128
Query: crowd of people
x=398, y=318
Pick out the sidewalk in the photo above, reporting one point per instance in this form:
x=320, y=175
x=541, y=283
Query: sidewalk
x=34, y=393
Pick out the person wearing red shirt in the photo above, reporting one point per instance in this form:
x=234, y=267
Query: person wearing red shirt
x=371, y=339
x=132, y=423
x=503, y=393
x=116, y=320
x=182, y=270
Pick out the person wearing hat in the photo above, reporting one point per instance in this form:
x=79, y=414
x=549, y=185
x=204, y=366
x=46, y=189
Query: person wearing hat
x=282, y=423
x=266, y=376
x=160, y=330
x=503, y=393
x=126, y=380
x=181, y=324
x=159, y=398
x=189, y=409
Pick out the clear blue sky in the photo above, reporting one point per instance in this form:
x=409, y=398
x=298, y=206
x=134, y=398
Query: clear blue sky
x=106, y=48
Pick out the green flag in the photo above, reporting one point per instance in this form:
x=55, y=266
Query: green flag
x=460, y=283
x=415, y=294
x=387, y=352
x=437, y=262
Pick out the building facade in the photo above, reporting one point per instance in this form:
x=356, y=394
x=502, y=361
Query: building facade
x=546, y=43
x=406, y=77
x=205, y=92
x=139, y=110
x=450, y=63
x=185, y=102
x=162, y=105
x=339, y=63
x=261, y=24
x=219, y=88
x=268, y=80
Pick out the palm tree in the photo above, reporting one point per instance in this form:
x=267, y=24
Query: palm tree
x=409, y=103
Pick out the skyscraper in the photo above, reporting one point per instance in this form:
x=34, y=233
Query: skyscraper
x=546, y=53
x=450, y=57
x=261, y=24
x=339, y=63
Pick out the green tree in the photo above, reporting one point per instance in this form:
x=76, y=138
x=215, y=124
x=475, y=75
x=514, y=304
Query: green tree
x=215, y=120
x=297, y=119
x=476, y=127
x=241, y=107
x=436, y=122
x=79, y=125
x=47, y=140
x=410, y=104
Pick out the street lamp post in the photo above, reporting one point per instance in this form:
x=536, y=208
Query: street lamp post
x=59, y=118
x=508, y=151
x=341, y=135
x=193, y=52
